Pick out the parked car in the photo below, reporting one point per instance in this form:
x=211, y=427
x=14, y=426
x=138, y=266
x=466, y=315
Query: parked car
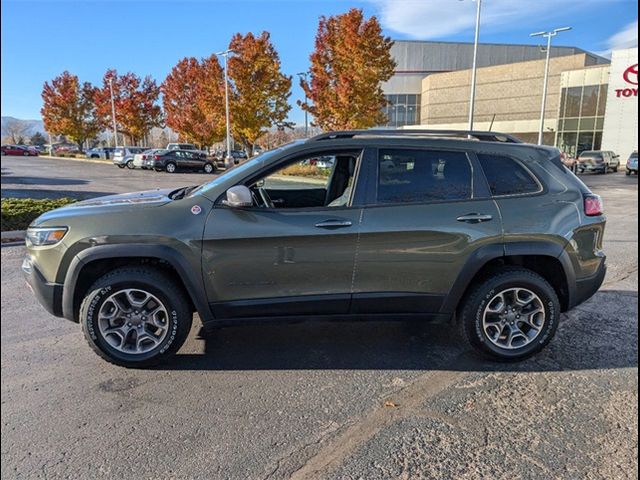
x=237, y=155
x=453, y=230
x=66, y=148
x=100, y=152
x=632, y=164
x=139, y=158
x=123, y=156
x=16, y=150
x=598, y=161
x=569, y=161
x=171, y=161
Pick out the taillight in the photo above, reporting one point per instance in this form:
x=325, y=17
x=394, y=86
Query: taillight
x=593, y=206
x=144, y=157
x=156, y=157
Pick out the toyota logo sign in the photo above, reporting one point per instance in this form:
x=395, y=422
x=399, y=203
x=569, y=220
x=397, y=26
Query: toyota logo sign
x=631, y=75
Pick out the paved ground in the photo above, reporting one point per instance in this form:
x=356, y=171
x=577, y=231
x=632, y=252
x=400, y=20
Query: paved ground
x=346, y=401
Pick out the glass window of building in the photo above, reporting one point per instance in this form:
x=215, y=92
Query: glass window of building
x=581, y=118
x=402, y=110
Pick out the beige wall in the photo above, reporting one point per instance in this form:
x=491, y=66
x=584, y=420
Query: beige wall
x=512, y=92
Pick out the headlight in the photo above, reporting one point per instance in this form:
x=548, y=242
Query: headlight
x=39, y=237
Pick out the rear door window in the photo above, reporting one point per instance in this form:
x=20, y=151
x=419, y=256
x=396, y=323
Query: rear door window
x=506, y=176
x=422, y=176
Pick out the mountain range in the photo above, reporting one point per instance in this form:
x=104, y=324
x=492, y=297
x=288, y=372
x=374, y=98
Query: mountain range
x=30, y=126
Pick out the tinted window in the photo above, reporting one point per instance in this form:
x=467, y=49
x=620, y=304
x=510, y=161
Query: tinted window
x=423, y=176
x=506, y=176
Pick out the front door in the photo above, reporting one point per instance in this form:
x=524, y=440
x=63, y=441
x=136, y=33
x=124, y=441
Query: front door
x=293, y=252
x=425, y=216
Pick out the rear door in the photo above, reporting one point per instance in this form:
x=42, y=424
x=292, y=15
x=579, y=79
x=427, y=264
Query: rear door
x=427, y=212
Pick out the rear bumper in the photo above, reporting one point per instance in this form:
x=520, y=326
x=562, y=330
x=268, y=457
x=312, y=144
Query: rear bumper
x=587, y=287
x=48, y=294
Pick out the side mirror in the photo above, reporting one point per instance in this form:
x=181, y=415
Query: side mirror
x=238, y=197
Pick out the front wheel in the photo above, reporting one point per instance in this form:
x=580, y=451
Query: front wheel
x=511, y=315
x=120, y=166
x=170, y=168
x=208, y=168
x=615, y=169
x=135, y=316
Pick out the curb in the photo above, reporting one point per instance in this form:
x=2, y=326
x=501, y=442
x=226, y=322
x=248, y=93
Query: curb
x=84, y=160
x=13, y=238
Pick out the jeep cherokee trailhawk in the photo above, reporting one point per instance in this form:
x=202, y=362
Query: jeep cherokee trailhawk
x=469, y=227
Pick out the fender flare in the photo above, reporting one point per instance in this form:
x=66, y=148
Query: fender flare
x=479, y=258
x=192, y=280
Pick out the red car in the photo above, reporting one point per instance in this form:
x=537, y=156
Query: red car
x=17, y=150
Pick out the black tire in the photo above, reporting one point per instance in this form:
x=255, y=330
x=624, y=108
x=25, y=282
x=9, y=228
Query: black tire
x=209, y=168
x=472, y=308
x=130, y=165
x=615, y=169
x=158, y=169
x=156, y=283
x=121, y=166
x=170, y=167
x=25, y=154
x=628, y=173
x=95, y=156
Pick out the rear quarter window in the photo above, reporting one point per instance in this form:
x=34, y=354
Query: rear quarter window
x=507, y=176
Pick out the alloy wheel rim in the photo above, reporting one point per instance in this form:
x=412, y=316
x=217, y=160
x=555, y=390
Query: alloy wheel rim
x=513, y=318
x=171, y=168
x=133, y=321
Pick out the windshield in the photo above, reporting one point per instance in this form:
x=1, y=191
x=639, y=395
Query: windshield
x=591, y=155
x=242, y=168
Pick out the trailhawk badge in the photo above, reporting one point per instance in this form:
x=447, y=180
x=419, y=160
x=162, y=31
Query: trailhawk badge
x=196, y=209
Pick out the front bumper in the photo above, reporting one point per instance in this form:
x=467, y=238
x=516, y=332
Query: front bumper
x=587, y=287
x=48, y=294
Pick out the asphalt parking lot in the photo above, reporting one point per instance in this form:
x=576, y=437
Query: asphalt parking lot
x=309, y=401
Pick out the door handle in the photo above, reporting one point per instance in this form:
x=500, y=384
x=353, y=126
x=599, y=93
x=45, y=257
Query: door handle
x=330, y=224
x=475, y=218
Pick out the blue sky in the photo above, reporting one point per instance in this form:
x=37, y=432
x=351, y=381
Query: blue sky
x=40, y=39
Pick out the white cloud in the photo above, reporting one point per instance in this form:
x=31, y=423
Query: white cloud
x=432, y=19
x=627, y=38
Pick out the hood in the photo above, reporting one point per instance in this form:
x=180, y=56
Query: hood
x=110, y=204
x=146, y=197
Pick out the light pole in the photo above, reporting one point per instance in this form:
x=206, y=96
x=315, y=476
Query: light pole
x=474, y=68
x=225, y=54
x=304, y=75
x=113, y=114
x=548, y=36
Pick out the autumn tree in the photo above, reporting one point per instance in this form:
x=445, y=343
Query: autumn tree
x=350, y=61
x=136, y=104
x=260, y=90
x=193, y=100
x=69, y=108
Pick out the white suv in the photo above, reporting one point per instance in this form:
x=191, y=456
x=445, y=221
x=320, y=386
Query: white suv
x=123, y=156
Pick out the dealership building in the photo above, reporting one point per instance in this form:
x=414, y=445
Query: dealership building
x=591, y=101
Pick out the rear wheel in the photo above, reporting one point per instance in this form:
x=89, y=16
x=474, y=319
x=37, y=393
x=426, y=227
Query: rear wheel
x=135, y=316
x=120, y=166
x=25, y=154
x=170, y=168
x=511, y=315
x=130, y=165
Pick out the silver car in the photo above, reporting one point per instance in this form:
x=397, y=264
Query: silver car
x=632, y=164
x=123, y=156
x=139, y=158
x=600, y=161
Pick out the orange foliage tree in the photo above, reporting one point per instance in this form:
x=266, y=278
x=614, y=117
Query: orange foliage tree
x=260, y=91
x=136, y=102
x=350, y=61
x=193, y=100
x=69, y=109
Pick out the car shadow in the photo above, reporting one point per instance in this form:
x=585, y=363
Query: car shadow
x=13, y=180
x=38, y=193
x=591, y=337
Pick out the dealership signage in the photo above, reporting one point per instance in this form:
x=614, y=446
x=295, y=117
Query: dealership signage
x=630, y=76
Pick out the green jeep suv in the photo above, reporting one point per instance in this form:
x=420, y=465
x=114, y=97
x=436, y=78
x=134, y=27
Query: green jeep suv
x=473, y=228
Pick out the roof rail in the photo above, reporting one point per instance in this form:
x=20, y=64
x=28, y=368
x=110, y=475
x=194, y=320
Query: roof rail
x=467, y=134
